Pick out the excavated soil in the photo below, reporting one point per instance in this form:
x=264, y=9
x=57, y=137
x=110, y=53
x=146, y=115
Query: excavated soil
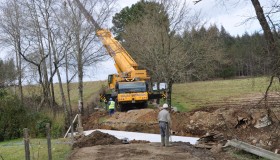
x=96, y=138
x=234, y=119
x=178, y=151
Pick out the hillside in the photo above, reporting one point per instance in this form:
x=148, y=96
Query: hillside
x=189, y=96
x=186, y=96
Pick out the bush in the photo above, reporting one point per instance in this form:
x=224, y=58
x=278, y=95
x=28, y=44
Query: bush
x=14, y=117
x=41, y=126
x=57, y=130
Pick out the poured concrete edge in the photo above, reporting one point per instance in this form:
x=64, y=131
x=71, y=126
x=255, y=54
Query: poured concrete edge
x=253, y=149
x=143, y=136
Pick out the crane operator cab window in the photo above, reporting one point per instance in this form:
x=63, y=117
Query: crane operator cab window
x=132, y=87
x=110, y=78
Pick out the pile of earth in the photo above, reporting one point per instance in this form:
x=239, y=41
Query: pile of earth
x=228, y=122
x=142, y=120
x=96, y=138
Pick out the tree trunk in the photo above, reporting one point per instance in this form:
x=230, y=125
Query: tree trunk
x=68, y=85
x=63, y=99
x=268, y=36
x=18, y=49
x=51, y=48
x=80, y=67
x=169, y=93
x=51, y=71
x=80, y=87
x=19, y=71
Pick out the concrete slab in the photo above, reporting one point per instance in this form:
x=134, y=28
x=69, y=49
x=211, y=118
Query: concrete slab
x=143, y=136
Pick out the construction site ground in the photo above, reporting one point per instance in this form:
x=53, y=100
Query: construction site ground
x=241, y=119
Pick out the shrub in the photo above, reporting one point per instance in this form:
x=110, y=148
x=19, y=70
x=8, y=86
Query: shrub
x=57, y=130
x=15, y=116
x=12, y=116
x=41, y=126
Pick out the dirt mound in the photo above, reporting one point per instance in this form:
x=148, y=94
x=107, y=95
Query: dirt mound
x=142, y=120
x=134, y=116
x=96, y=138
x=94, y=120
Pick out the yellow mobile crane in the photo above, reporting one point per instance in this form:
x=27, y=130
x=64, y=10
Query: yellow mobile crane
x=130, y=84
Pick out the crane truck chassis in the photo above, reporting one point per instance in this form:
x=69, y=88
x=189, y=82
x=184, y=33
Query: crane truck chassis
x=129, y=88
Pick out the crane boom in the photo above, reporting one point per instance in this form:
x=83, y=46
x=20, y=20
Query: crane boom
x=126, y=66
x=87, y=15
x=130, y=84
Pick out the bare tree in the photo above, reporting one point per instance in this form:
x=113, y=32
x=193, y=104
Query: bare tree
x=11, y=33
x=87, y=49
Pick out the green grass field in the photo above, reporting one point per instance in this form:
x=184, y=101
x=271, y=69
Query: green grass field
x=14, y=149
x=189, y=96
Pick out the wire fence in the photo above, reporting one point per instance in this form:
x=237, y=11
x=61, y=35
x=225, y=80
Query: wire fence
x=33, y=148
x=30, y=149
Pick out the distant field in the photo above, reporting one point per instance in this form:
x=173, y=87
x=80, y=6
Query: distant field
x=186, y=96
x=14, y=150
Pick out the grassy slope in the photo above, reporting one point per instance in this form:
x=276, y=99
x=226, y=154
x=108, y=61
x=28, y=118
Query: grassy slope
x=188, y=96
x=185, y=97
x=90, y=89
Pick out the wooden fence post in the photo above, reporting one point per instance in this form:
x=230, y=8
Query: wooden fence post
x=49, y=141
x=26, y=144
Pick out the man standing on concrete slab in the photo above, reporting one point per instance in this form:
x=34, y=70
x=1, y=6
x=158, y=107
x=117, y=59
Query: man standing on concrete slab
x=164, y=124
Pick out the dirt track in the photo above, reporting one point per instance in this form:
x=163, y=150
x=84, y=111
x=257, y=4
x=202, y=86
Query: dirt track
x=224, y=122
x=178, y=151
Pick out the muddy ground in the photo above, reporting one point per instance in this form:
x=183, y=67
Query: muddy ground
x=179, y=151
x=243, y=121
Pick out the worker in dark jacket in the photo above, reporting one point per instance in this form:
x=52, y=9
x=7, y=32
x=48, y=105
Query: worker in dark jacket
x=111, y=106
x=164, y=124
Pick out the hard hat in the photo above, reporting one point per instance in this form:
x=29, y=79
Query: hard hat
x=110, y=99
x=165, y=106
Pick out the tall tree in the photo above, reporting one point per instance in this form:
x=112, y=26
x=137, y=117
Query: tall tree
x=86, y=47
x=11, y=27
x=158, y=31
x=205, y=46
